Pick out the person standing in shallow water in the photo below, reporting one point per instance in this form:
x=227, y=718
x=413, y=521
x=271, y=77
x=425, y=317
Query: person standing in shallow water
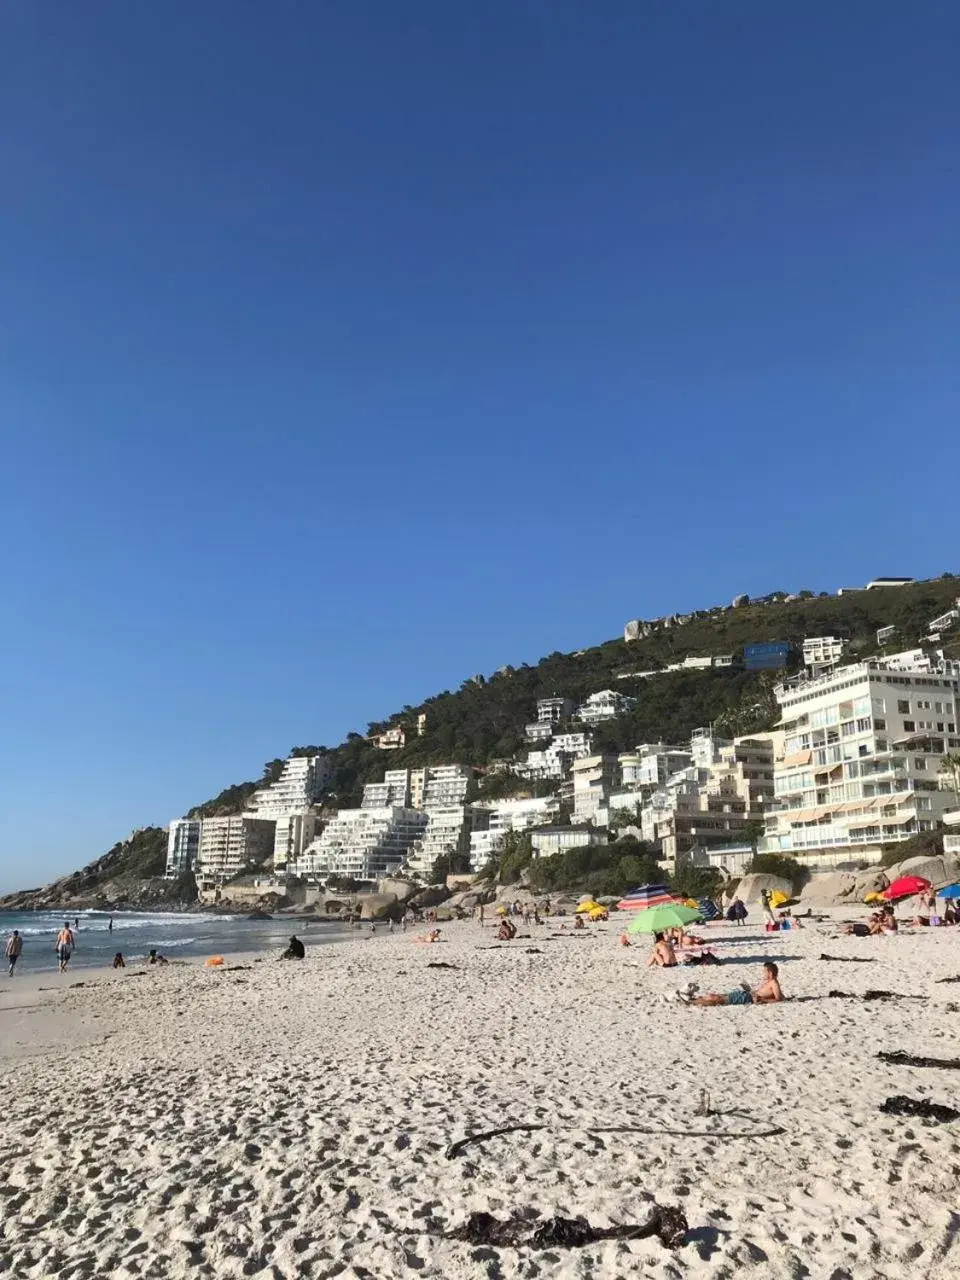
x=13, y=949
x=66, y=941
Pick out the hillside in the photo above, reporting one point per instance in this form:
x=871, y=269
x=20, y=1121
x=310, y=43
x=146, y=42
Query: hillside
x=484, y=719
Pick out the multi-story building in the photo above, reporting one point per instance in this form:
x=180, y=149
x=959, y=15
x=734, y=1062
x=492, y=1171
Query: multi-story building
x=439, y=786
x=651, y=764
x=550, y=713
x=693, y=810
x=862, y=756
x=228, y=844
x=363, y=843
x=292, y=835
x=820, y=653
x=300, y=785
x=593, y=780
x=491, y=822
x=392, y=793
x=705, y=747
x=183, y=842
x=547, y=841
x=605, y=705
x=555, y=760
x=391, y=739
x=447, y=832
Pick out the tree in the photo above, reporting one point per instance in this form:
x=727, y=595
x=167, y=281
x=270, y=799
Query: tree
x=951, y=764
x=697, y=882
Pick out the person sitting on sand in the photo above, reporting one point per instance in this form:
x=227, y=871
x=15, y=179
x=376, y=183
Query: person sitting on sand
x=507, y=931
x=295, y=949
x=663, y=955
x=118, y=961
x=578, y=922
x=155, y=957
x=768, y=992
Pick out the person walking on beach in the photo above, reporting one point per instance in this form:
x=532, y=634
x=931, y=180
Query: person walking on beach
x=13, y=949
x=66, y=942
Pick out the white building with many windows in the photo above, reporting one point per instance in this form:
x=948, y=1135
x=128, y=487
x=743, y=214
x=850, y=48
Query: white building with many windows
x=554, y=761
x=862, y=756
x=447, y=832
x=183, y=843
x=299, y=786
x=492, y=821
x=651, y=764
x=228, y=844
x=822, y=652
x=605, y=705
x=363, y=843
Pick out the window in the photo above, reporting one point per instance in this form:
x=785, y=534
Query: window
x=938, y=708
x=923, y=704
x=903, y=706
x=909, y=726
x=880, y=724
x=920, y=764
x=863, y=725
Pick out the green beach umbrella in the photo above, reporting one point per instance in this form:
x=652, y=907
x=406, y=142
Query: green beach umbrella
x=656, y=919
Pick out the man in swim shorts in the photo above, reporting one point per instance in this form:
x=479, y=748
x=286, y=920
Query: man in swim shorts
x=66, y=941
x=768, y=992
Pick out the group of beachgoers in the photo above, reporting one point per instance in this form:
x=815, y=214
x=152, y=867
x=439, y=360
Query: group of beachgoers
x=65, y=945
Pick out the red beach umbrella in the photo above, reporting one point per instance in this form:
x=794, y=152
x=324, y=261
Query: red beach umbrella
x=905, y=887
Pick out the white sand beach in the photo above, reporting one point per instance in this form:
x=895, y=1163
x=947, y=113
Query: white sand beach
x=292, y=1120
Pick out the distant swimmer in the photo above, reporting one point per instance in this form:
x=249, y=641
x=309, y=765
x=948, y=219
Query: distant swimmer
x=66, y=943
x=110, y=925
x=13, y=949
x=76, y=922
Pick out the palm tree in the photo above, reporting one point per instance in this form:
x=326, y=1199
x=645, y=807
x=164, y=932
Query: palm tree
x=951, y=764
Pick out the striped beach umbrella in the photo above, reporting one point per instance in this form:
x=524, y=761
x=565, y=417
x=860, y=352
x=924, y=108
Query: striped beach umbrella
x=647, y=895
x=708, y=908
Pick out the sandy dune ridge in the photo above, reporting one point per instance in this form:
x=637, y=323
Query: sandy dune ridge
x=285, y=1120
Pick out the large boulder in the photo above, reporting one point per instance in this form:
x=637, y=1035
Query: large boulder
x=750, y=887
x=829, y=888
x=377, y=906
x=872, y=880
x=431, y=896
x=940, y=871
x=402, y=890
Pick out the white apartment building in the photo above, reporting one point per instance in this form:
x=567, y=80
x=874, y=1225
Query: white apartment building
x=491, y=822
x=550, y=712
x=439, y=786
x=447, y=832
x=299, y=786
x=651, y=764
x=862, y=757
x=553, y=762
x=391, y=739
x=605, y=705
x=392, y=793
x=593, y=780
x=822, y=652
x=293, y=834
x=705, y=747
x=951, y=837
x=547, y=841
x=363, y=843
x=694, y=810
x=183, y=842
x=227, y=845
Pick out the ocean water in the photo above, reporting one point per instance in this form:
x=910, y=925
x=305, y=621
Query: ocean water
x=176, y=935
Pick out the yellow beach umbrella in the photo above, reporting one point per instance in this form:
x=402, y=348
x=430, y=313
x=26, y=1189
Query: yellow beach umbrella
x=589, y=906
x=874, y=897
x=778, y=898
x=597, y=913
x=691, y=902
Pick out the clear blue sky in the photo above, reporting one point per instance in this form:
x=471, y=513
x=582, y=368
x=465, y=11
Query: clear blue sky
x=349, y=349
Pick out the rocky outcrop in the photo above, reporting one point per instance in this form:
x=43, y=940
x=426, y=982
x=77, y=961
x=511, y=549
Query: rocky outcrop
x=940, y=871
x=402, y=890
x=751, y=887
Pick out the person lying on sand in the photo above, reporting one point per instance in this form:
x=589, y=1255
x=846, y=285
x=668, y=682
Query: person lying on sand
x=434, y=935
x=663, y=955
x=768, y=992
